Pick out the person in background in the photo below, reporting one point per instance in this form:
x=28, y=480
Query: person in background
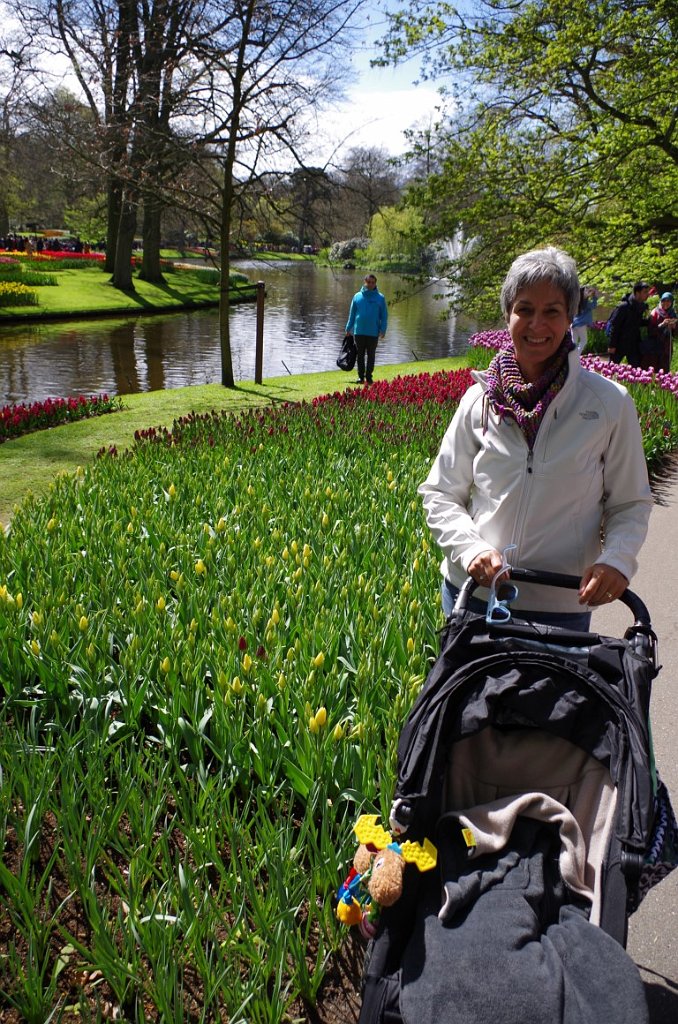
x=629, y=326
x=367, y=322
x=544, y=455
x=583, y=319
x=661, y=329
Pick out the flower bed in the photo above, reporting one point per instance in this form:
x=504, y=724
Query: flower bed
x=16, y=420
x=14, y=294
x=218, y=634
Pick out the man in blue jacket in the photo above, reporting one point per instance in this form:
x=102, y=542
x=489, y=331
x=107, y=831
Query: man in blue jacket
x=367, y=321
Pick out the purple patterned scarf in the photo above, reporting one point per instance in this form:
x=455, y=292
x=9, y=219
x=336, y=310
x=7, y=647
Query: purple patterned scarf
x=510, y=394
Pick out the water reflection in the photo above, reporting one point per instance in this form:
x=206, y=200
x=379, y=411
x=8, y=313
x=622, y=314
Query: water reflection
x=306, y=309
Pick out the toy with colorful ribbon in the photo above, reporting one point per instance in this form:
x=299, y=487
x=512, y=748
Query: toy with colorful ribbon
x=376, y=878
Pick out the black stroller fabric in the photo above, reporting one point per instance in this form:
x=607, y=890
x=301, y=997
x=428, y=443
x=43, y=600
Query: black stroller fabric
x=500, y=937
x=510, y=947
x=592, y=691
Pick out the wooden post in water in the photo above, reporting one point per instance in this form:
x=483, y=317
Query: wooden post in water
x=259, y=352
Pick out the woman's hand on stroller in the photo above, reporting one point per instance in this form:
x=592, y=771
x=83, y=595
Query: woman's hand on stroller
x=601, y=584
x=485, y=566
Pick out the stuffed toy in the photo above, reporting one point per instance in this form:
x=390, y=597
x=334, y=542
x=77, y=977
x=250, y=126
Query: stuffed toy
x=376, y=878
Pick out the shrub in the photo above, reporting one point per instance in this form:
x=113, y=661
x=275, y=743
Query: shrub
x=346, y=250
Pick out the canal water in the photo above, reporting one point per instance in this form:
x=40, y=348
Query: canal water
x=305, y=313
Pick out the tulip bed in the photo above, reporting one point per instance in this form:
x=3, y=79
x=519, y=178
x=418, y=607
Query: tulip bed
x=208, y=645
x=16, y=420
x=12, y=293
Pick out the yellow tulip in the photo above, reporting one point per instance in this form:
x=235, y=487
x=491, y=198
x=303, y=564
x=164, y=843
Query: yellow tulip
x=84, y=623
x=246, y=663
x=160, y=604
x=200, y=567
x=172, y=491
x=338, y=733
x=35, y=647
x=236, y=686
x=165, y=665
x=321, y=717
x=319, y=660
x=410, y=645
x=313, y=725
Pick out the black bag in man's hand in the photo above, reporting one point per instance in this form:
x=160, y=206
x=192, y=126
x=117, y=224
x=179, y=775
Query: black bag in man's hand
x=347, y=356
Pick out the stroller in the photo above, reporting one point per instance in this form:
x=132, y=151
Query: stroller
x=527, y=762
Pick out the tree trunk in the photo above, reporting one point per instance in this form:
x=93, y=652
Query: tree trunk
x=114, y=209
x=150, y=267
x=224, y=300
x=4, y=217
x=122, y=273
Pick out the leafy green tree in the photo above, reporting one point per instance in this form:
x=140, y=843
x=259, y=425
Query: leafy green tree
x=395, y=235
x=565, y=130
x=87, y=218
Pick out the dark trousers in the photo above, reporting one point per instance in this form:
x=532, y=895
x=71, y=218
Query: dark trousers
x=366, y=345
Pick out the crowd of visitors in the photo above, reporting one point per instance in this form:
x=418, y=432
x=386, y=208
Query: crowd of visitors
x=39, y=243
x=643, y=338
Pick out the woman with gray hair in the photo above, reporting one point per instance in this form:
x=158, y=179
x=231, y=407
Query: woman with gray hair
x=544, y=456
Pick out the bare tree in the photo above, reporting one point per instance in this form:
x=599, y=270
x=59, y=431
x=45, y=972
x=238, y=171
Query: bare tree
x=171, y=82
x=13, y=71
x=273, y=64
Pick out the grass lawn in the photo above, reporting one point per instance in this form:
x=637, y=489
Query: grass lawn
x=87, y=290
x=28, y=464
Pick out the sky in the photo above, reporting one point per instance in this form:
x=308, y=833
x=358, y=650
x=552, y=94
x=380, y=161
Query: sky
x=380, y=104
x=383, y=102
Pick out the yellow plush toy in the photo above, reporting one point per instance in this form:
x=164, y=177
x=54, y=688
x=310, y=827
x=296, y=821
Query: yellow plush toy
x=376, y=878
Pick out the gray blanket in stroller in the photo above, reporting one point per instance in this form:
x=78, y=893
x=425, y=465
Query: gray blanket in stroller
x=513, y=948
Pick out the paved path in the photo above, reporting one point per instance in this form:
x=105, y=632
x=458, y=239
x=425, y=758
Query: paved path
x=653, y=932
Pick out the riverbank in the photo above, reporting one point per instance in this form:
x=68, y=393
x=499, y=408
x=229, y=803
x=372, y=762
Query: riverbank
x=30, y=463
x=87, y=292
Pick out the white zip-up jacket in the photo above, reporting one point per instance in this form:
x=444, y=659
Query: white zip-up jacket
x=581, y=496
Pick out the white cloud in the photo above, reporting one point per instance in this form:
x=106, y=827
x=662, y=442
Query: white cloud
x=379, y=117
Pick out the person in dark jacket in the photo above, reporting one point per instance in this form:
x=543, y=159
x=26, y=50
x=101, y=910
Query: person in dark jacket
x=367, y=320
x=662, y=325
x=628, y=333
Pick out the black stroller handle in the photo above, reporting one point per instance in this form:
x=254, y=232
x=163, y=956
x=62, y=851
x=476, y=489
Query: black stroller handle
x=558, y=579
